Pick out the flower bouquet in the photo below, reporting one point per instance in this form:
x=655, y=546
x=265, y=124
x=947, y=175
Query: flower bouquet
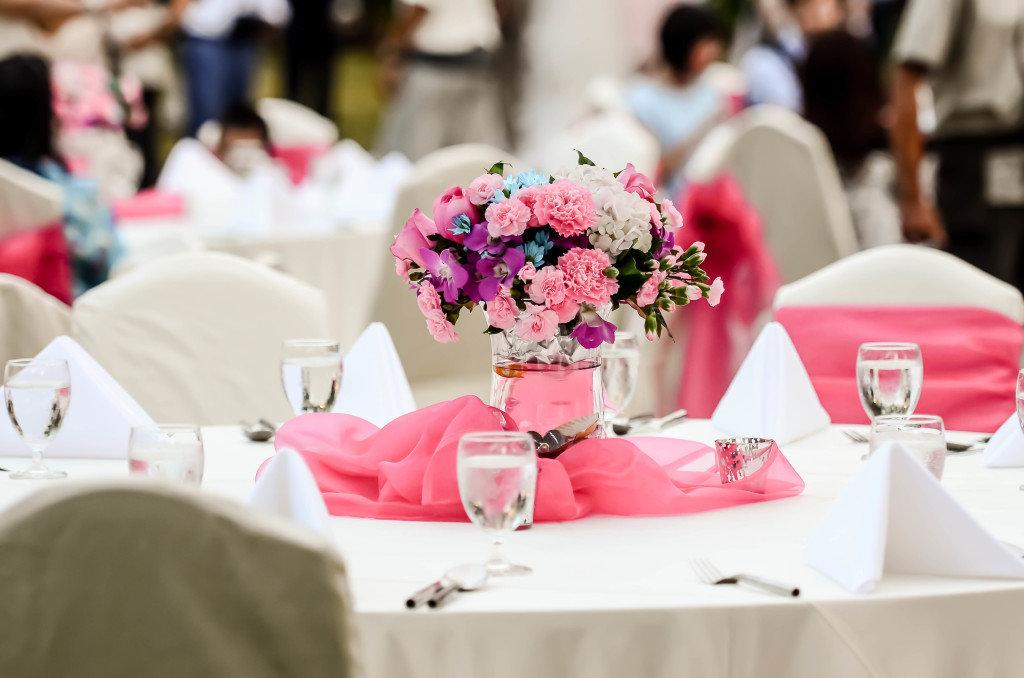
x=548, y=258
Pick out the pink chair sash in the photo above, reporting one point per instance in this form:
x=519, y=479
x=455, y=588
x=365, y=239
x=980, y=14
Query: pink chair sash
x=299, y=159
x=718, y=214
x=150, y=204
x=406, y=470
x=40, y=256
x=971, y=357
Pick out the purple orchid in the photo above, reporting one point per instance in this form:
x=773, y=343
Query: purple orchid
x=497, y=271
x=593, y=330
x=477, y=238
x=668, y=241
x=447, y=274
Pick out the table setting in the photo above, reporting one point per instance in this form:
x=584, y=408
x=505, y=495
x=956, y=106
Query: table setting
x=545, y=532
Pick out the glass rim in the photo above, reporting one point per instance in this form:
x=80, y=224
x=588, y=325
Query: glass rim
x=889, y=346
x=912, y=419
x=308, y=343
x=496, y=437
x=168, y=428
x=40, y=362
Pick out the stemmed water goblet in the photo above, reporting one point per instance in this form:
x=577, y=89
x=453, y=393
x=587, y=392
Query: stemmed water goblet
x=889, y=377
x=37, y=394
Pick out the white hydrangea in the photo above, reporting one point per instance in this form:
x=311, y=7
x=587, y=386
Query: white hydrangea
x=623, y=218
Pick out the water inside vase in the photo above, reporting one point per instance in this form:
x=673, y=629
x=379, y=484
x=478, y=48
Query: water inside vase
x=541, y=397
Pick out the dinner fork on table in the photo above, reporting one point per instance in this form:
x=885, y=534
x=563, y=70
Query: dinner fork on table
x=708, y=573
x=858, y=437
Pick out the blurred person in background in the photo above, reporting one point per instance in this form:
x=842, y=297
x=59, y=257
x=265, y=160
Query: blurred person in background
x=843, y=98
x=771, y=66
x=244, y=142
x=311, y=42
x=674, y=102
x=437, y=65
x=220, y=49
x=27, y=140
x=971, y=52
x=27, y=25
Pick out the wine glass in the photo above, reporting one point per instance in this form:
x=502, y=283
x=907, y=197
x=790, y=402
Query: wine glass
x=498, y=483
x=620, y=371
x=889, y=377
x=311, y=374
x=167, y=452
x=38, y=393
x=1020, y=399
x=922, y=435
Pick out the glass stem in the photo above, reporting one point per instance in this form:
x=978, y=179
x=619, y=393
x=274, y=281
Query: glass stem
x=498, y=558
x=37, y=455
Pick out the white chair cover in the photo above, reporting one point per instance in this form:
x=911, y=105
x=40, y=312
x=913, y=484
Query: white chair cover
x=788, y=174
x=904, y=275
x=197, y=337
x=29, y=318
x=137, y=579
x=27, y=200
x=610, y=139
x=292, y=124
x=437, y=371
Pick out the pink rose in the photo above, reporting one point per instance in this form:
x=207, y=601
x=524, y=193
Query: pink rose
x=715, y=293
x=538, y=324
x=648, y=293
x=635, y=182
x=482, y=189
x=672, y=216
x=428, y=299
x=566, y=310
x=547, y=286
x=507, y=218
x=448, y=207
x=527, y=271
x=566, y=207
x=585, y=280
x=440, y=329
x=413, y=238
x=502, y=310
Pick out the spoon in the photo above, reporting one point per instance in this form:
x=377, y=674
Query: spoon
x=648, y=423
x=460, y=578
x=260, y=432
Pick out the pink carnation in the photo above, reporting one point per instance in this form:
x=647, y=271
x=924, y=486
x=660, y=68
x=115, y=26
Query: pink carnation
x=428, y=299
x=502, y=311
x=482, y=189
x=441, y=329
x=566, y=207
x=585, y=280
x=715, y=293
x=547, y=286
x=538, y=324
x=527, y=271
x=672, y=216
x=566, y=310
x=648, y=293
x=507, y=218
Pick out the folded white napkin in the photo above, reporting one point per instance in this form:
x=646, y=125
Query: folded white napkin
x=287, y=489
x=771, y=395
x=1007, y=445
x=100, y=415
x=895, y=517
x=374, y=385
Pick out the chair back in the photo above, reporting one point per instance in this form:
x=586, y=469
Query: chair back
x=787, y=172
x=135, y=579
x=611, y=139
x=29, y=318
x=197, y=337
x=461, y=368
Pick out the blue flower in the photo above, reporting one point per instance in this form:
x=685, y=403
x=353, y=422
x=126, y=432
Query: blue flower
x=524, y=180
x=536, y=249
x=498, y=196
x=461, y=225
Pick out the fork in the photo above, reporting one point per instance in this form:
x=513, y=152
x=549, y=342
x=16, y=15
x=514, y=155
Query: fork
x=711, y=575
x=858, y=437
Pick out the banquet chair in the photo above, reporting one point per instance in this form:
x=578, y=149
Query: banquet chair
x=967, y=323
x=140, y=579
x=29, y=318
x=437, y=371
x=611, y=139
x=197, y=337
x=787, y=172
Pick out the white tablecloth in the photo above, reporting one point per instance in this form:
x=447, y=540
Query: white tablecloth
x=615, y=597
x=346, y=266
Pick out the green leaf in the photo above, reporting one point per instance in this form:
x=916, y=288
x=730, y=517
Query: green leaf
x=583, y=160
x=491, y=329
x=499, y=167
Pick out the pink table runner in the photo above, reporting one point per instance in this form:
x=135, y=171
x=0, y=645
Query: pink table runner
x=971, y=358
x=406, y=470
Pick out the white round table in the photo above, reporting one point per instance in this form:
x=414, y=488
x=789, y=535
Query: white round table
x=614, y=597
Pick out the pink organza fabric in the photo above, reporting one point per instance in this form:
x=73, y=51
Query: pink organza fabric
x=970, y=358
x=717, y=339
x=407, y=470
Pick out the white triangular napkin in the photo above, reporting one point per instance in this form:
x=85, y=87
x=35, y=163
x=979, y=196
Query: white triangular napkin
x=287, y=489
x=373, y=384
x=771, y=395
x=895, y=517
x=100, y=416
x=1007, y=445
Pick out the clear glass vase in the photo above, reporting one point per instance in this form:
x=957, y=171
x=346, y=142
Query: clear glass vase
x=548, y=386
